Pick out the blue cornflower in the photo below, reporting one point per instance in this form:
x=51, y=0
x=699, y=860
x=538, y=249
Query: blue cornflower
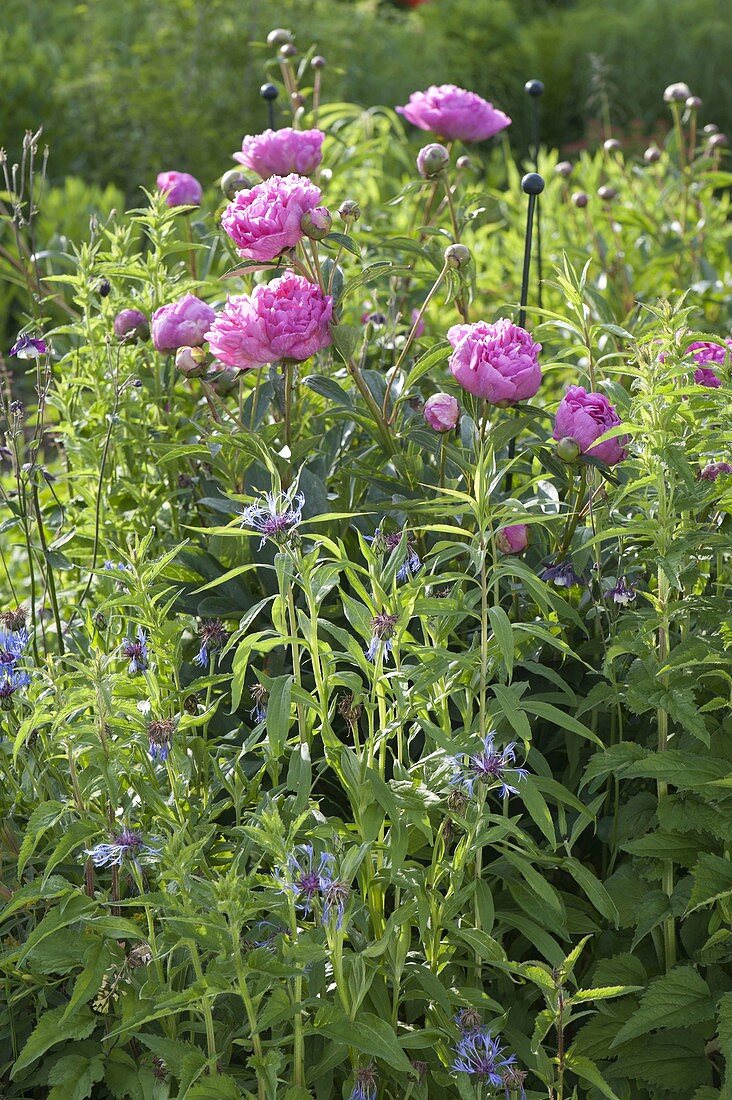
x=160, y=734
x=622, y=593
x=366, y=1084
x=28, y=347
x=388, y=543
x=12, y=644
x=477, y=1053
x=562, y=574
x=214, y=636
x=275, y=516
x=10, y=682
x=488, y=766
x=382, y=626
x=126, y=844
x=266, y=932
x=136, y=651
x=259, y=695
x=306, y=875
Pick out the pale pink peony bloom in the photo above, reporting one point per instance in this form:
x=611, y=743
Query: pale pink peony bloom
x=442, y=412
x=180, y=188
x=287, y=318
x=265, y=221
x=181, y=324
x=282, y=152
x=454, y=114
x=499, y=362
x=513, y=539
x=584, y=417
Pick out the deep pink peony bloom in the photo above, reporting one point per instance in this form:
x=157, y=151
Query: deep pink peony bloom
x=513, y=539
x=584, y=417
x=181, y=324
x=498, y=362
x=442, y=412
x=180, y=188
x=131, y=324
x=704, y=352
x=287, y=318
x=454, y=113
x=265, y=221
x=714, y=469
x=282, y=152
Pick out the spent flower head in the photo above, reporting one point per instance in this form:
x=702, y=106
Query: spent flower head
x=382, y=626
x=213, y=637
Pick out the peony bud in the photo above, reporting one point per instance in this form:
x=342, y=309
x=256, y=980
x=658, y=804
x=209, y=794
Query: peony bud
x=316, y=223
x=563, y=169
x=349, y=210
x=568, y=449
x=442, y=412
x=191, y=362
x=432, y=160
x=279, y=37
x=676, y=93
x=652, y=154
x=131, y=325
x=580, y=199
x=234, y=181
x=457, y=255
x=607, y=193
x=513, y=539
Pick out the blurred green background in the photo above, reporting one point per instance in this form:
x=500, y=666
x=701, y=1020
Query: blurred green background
x=124, y=89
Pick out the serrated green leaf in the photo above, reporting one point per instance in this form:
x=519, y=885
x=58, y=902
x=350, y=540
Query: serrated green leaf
x=679, y=998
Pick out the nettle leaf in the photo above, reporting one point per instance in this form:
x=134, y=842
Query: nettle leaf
x=712, y=881
x=74, y=1077
x=679, y=998
x=220, y=1087
x=52, y=1029
x=666, y=1060
x=683, y=770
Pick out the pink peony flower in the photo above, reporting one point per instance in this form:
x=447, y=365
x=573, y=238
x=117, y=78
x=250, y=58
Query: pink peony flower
x=513, y=539
x=180, y=188
x=131, y=324
x=454, y=113
x=584, y=417
x=419, y=322
x=287, y=318
x=714, y=469
x=181, y=324
x=498, y=362
x=265, y=221
x=442, y=412
x=281, y=152
x=704, y=352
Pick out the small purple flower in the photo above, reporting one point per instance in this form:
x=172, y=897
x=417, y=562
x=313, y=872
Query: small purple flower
x=382, y=626
x=259, y=695
x=276, y=516
x=489, y=766
x=214, y=636
x=28, y=347
x=562, y=574
x=366, y=1084
x=266, y=933
x=160, y=735
x=10, y=682
x=622, y=593
x=478, y=1054
x=127, y=844
x=306, y=876
x=388, y=543
x=117, y=566
x=136, y=651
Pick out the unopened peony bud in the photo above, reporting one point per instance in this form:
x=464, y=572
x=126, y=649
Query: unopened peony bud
x=513, y=539
x=318, y=62
x=316, y=223
x=652, y=154
x=580, y=199
x=606, y=192
x=191, y=362
x=457, y=255
x=234, y=181
x=130, y=325
x=349, y=210
x=442, y=412
x=676, y=93
x=568, y=449
x=563, y=169
x=432, y=160
x=279, y=37
x=612, y=145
